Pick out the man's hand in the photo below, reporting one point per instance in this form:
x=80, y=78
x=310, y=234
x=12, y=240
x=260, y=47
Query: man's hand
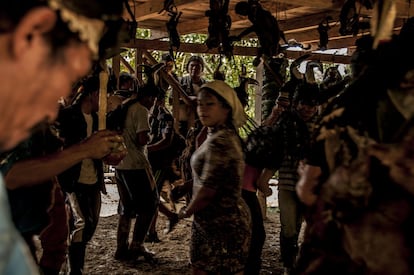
x=104, y=143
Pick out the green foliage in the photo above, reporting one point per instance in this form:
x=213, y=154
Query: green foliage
x=143, y=33
x=129, y=56
x=193, y=38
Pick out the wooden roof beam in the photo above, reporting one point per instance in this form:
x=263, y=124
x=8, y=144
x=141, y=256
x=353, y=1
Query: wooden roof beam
x=298, y=24
x=311, y=35
x=193, y=26
x=202, y=49
x=333, y=4
x=403, y=7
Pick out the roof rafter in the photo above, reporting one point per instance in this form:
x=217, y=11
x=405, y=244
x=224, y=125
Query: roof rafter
x=202, y=48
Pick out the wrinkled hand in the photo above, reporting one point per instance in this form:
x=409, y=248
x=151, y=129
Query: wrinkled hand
x=104, y=144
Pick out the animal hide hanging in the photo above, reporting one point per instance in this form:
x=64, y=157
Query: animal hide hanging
x=349, y=19
x=242, y=89
x=219, y=27
x=171, y=25
x=323, y=29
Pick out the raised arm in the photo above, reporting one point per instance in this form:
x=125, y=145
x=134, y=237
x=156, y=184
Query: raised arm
x=203, y=198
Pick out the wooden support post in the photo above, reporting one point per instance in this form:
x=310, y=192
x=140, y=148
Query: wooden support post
x=258, y=95
x=258, y=119
x=103, y=82
x=116, y=65
x=139, y=60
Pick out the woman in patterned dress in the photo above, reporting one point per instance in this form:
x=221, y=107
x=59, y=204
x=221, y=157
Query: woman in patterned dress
x=221, y=227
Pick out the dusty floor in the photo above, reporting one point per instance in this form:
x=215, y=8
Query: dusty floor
x=171, y=253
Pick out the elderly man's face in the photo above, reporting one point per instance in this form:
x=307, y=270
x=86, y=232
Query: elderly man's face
x=195, y=68
x=33, y=79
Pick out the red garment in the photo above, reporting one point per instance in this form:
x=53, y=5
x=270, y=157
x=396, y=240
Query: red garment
x=54, y=237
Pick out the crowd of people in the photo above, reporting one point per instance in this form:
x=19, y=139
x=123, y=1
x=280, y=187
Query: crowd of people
x=343, y=169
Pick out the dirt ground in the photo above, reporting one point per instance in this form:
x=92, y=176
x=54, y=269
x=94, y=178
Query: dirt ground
x=171, y=252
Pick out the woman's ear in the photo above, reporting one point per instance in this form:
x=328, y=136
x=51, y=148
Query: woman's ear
x=35, y=23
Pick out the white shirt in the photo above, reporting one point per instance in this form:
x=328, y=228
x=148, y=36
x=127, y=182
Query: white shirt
x=88, y=172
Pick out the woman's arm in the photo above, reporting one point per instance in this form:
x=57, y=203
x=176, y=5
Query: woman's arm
x=263, y=181
x=203, y=198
